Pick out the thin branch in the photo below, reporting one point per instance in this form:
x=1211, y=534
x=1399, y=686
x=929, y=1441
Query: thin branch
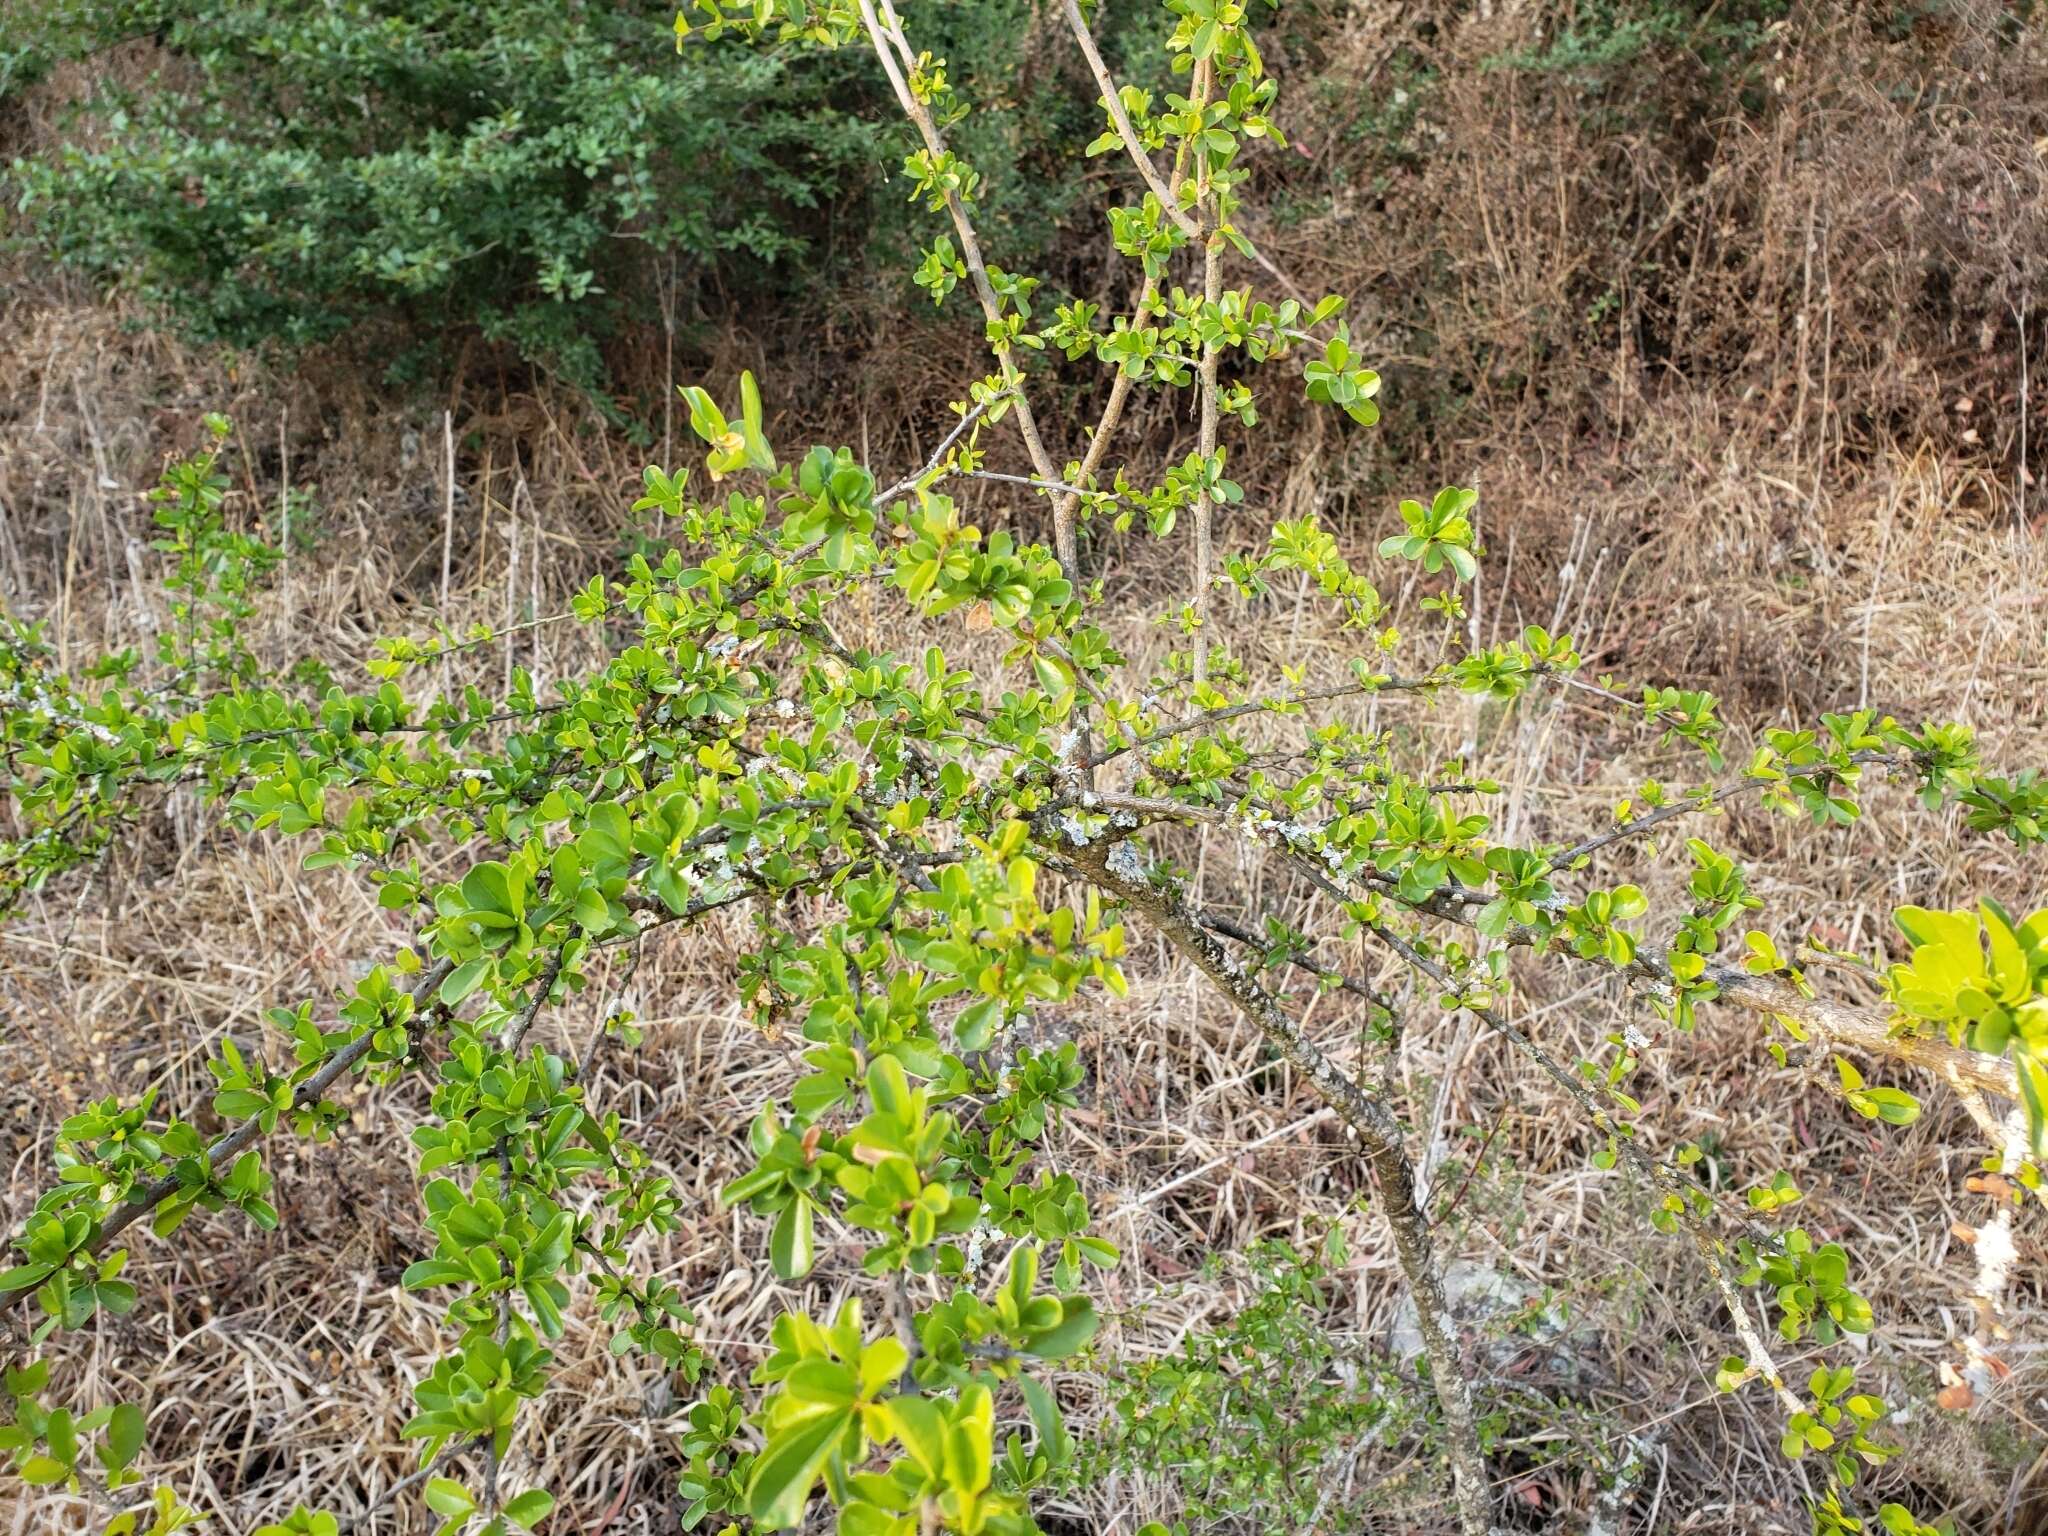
x=1056, y=487
x=1115, y=868
x=1207, y=202
x=1113, y=99
x=1112, y=413
x=905, y=1318
x=1690, y=804
x=938, y=458
x=1230, y=928
x=888, y=43
x=1755, y=1350
x=492, y=1455
x=1227, y=712
x=513, y=1038
x=224, y=1151
x=515, y=1032
x=449, y=1455
x=1641, y=825
x=1822, y=1021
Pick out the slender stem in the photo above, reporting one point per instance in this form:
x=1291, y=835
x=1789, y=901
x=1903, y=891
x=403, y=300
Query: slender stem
x=1699, y=802
x=1065, y=488
x=449, y=1455
x=904, y=1316
x=1226, y=712
x=1756, y=1351
x=1230, y=928
x=515, y=1032
x=1824, y=1023
x=1112, y=414
x=1113, y=100
x=1208, y=212
x=938, y=458
x=888, y=41
x=492, y=1455
x=513, y=1038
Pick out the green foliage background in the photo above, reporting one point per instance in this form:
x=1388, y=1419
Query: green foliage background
x=267, y=172
x=408, y=177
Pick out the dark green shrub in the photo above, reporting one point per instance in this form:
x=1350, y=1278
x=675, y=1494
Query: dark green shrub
x=285, y=173
x=1598, y=43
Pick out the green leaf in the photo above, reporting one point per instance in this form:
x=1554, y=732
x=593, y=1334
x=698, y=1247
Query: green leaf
x=428, y=1272
x=920, y=1427
x=881, y=1363
x=63, y=1437
x=448, y=1498
x=787, y=1467
x=825, y=1383
x=790, y=1245
x=124, y=1436
x=1053, y=1438
x=239, y=1103
x=22, y=1276
x=1076, y=1327
x=529, y=1508
x=463, y=980
x=970, y=1442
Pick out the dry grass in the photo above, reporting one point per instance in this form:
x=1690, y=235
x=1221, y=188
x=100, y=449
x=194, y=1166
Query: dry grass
x=279, y=1368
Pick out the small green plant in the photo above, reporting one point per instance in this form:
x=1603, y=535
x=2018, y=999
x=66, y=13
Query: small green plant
x=1256, y=1418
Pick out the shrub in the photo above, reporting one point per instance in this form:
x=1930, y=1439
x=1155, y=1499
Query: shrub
x=284, y=174
x=936, y=842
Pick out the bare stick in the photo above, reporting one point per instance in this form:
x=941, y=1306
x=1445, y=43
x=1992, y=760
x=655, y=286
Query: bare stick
x=888, y=43
x=448, y=1457
x=284, y=499
x=511, y=576
x=447, y=499
x=515, y=1032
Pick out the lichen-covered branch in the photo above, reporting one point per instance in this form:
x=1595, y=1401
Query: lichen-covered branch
x=1115, y=868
